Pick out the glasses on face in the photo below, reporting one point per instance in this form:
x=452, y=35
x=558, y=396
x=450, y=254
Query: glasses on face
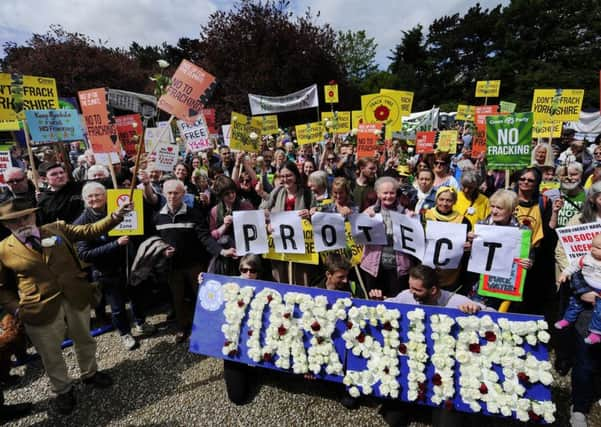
x=528, y=180
x=331, y=159
x=15, y=181
x=286, y=176
x=440, y=163
x=597, y=153
x=247, y=270
x=245, y=181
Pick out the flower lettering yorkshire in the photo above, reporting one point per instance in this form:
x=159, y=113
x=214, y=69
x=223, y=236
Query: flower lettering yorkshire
x=236, y=302
x=443, y=358
x=416, y=351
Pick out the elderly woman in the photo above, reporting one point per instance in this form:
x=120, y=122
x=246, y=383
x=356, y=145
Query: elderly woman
x=290, y=195
x=318, y=184
x=221, y=220
x=107, y=256
x=385, y=268
x=472, y=204
x=441, y=166
x=542, y=155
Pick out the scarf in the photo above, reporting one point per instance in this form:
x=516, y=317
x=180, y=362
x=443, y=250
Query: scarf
x=432, y=214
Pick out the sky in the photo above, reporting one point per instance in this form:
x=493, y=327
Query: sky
x=151, y=22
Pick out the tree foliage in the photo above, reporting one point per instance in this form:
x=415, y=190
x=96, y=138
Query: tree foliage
x=356, y=52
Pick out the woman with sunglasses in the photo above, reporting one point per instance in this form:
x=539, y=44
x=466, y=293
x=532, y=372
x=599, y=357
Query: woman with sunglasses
x=441, y=166
x=221, y=223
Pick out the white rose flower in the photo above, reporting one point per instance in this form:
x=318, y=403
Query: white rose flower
x=162, y=63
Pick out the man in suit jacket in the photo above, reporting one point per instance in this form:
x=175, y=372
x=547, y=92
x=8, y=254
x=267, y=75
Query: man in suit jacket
x=53, y=293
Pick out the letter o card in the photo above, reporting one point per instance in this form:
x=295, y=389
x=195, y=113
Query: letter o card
x=133, y=222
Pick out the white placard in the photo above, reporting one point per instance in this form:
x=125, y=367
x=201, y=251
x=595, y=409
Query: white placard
x=328, y=231
x=368, y=230
x=444, y=244
x=249, y=232
x=288, y=236
x=493, y=250
x=408, y=235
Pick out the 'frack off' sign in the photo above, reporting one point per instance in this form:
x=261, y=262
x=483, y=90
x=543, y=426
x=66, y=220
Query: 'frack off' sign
x=441, y=245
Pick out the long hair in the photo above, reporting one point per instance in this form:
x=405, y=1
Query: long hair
x=589, y=209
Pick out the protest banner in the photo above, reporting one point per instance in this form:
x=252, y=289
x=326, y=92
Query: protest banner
x=424, y=142
x=309, y=133
x=479, y=136
x=195, y=135
x=245, y=132
x=152, y=135
x=133, y=222
x=368, y=230
x=545, y=129
x=356, y=118
x=19, y=93
x=576, y=239
x=299, y=100
x=340, y=121
x=287, y=232
x=512, y=288
x=557, y=105
x=102, y=131
x=507, y=107
x=130, y=130
x=488, y=88
x=330, y=94
x=54, y=125
x=188, y=93
x=5, y=161
x=509, y=141
x=269, y=124
x=309, y=256
x=250, y=233
x=368, y=135
x=466, y=112
x=447, y=141
x=408, y=235
x=380, y=348
x=444, y=244
x=165, y=156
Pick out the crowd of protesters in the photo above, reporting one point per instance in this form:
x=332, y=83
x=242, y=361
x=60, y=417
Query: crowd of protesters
x=188, y=230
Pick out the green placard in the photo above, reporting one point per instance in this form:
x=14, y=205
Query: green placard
x=509, y=140
x=512, y=288
x=507, y=107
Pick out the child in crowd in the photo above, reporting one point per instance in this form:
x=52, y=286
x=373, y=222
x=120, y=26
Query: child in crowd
x=588, y=268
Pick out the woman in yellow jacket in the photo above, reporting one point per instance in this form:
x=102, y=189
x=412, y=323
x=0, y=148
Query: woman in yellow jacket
x=472, y=204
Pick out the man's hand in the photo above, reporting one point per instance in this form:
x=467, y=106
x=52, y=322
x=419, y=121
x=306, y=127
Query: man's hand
x=143, y=177
x=123, y=240
x=469, y=308
x=169, y=252
x=376, y=294
x=228, y=220
x=563, y=278
x=228, y=253
x=124, y=209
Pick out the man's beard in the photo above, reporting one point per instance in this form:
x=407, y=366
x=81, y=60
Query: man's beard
x=569, y=186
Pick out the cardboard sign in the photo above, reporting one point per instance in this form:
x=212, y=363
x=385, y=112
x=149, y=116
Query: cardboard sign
x=576, y=239
x=367, y=139
x=151, y=136
x=209, y=115
x=466, y=112
x=557, y=105
x=381, y=108
x=424, y=142
x=227, y=134
x=101, y=126
x=330, y=94
x=188, y=93
x=376, y=347
x=195, y=135
x=165, y=156
x=447, y=141
x=444, y=244
x=269, y=124
x=133, y=222
x=250, y=232
x=309, y=133
x=356, y=118
x=542, y=129
x=54, y=125
x=19, y=93
x=487, y=88
x=507, y=107
x=479, y=136
x=5, y=161
x=128, y=127
x=511, y=289
x=341, y=121
x=509, y=141
x=241, y=128
x=309, y=256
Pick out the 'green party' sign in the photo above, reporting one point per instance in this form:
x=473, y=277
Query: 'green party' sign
x=509, y=140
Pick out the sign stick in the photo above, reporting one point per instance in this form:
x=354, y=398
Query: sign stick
x=161, y=134
x=506, y=179
x=358, y=273
x=136, y=165
x=36, y=176
x=290, y=270
x=113, y=174
x=504, y=307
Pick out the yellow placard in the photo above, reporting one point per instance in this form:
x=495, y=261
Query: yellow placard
x=341, y=120
x=488, y=88
x=466, y=112
x=330, y=94
x=546, y=130
x=133, y=223
x=356, y=118
x=269, y=124
x=309, y=257
x=241, y=130
x=557, y=105
x=403, y=98
x=19, y=93
x=8, y=125
x=309, y=133
x=447, y=141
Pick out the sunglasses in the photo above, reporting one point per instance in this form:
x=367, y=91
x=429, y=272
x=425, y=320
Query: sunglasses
x=529, y=180
x=245, y=270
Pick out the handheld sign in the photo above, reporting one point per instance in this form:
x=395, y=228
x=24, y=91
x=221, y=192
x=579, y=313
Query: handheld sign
x=54, y=125
x=128, y=127
x=133, y=222
x=19, y=93
x=196, y=135
x=509, y=140
x=330, y=94
x=101, y=125
x=488, y=88
x=309, y=133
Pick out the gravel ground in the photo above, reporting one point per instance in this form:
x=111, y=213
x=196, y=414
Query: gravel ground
x=162, y=384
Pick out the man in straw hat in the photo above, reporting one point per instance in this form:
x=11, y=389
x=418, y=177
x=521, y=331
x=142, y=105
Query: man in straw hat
x=53, y=293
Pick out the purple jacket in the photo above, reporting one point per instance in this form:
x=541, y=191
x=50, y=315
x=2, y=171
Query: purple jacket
x=372, y=254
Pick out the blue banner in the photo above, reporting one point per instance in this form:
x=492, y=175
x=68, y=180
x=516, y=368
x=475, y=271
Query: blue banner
x=492, y=363
x=54, y=125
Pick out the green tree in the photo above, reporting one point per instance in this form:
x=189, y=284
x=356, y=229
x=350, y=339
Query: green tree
x=357, y=54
